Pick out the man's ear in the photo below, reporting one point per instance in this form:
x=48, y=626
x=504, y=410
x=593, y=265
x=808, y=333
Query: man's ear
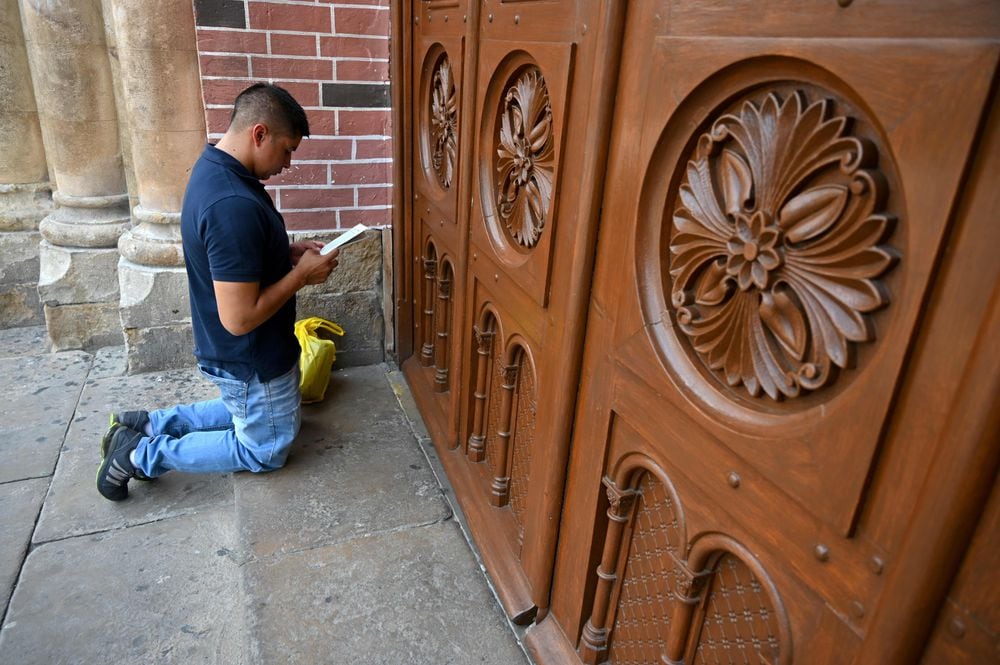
x=257, y=133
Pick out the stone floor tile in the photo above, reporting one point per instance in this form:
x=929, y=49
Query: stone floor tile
x=413, y=596
x=17, y=342
x=74, y=507
x=355, y=469
x=40, y=394
x=167, y=592
x=19, y=505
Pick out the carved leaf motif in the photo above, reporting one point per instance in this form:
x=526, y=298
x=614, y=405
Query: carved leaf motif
x=812, y=212
x=444, y=121
x=785, y=320
x=712, y=287
x=736, y=181
x=774, y=240
x=524, y=158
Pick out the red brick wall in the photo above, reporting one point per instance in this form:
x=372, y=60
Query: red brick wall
x=333, y=56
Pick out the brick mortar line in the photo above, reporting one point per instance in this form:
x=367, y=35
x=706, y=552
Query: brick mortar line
x=303, y=33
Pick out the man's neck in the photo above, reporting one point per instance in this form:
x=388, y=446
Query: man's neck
x=237, y=146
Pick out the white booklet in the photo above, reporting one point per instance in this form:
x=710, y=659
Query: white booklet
x=352, y=234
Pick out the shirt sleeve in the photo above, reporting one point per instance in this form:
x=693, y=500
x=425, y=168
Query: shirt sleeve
x=233, y=232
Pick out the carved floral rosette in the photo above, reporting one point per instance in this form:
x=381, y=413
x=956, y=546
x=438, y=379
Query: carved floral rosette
x=443, y=123
x=774, y=244
x=525, y=158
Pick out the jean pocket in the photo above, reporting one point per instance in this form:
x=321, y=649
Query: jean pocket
x=232, y=390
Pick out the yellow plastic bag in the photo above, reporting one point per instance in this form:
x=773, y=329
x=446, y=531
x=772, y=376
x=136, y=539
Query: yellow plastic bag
x=318, y=354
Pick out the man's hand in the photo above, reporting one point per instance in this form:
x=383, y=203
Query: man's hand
x=297, y=249
x=316, y=267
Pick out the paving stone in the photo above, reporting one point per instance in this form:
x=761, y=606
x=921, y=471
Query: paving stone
x=162, y=593
x=19, y=506
x=27, y=341
x=109, y=361
x=413, y=596
x=355, y=469
x=40, y=394
x=74, y=507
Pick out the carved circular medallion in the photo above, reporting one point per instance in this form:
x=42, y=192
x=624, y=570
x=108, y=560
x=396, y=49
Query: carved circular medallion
x=523, y=165
x=443, y=123
x=773, y=251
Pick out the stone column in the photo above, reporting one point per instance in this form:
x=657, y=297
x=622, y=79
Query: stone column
x=158, y=60
x=25, y=196
x=76, y=105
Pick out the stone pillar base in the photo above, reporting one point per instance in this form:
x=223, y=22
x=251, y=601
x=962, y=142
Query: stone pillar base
x=79, y=292
x=88, y=326
x=76, y=275
x=22, y=207
x=19, y=304
x=156, y=317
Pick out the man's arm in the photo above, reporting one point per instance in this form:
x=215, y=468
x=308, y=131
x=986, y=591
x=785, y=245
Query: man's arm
x=244, y=305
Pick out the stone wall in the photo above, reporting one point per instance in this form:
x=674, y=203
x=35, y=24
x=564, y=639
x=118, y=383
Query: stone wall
x=351, y=297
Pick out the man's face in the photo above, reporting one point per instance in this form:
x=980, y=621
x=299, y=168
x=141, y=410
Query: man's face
x=274, y=154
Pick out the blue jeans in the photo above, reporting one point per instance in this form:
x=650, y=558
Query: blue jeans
x=250, y=427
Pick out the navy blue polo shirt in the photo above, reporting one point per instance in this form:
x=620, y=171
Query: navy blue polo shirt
x=232, y=233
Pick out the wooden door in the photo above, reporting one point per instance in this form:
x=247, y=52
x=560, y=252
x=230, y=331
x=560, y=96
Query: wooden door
x=435, y=231
x=783, y=355
x=505, y=257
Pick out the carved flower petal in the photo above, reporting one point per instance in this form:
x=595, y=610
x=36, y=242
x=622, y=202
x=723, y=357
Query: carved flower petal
x=812, y=212
x=712, y=285
x=769, y=259
x=737, y=181
x=783, y=318
x=745, y=277
x=735, y=263
x=758, y=274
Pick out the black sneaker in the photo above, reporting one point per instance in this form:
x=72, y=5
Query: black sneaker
x=135, y=420
x=116, y=468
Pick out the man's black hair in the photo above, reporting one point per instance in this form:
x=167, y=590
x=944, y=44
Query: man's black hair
x=272, y=105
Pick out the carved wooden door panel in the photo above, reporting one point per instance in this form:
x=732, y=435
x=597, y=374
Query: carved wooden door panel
x=543, y=93
x=437, y=223
x=782, y=184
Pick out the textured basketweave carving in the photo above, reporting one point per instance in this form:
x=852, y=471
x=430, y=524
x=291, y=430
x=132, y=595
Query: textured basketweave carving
x=524, y=162
x=444, y=123
x=524, y=435
x=739, y=625
x=651, y=573
x=774, y=243
x=493, y=411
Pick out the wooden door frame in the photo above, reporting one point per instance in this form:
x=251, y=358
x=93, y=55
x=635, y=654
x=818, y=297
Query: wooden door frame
x=400, y=72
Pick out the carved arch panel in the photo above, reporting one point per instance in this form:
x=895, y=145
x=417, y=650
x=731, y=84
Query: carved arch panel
x=428, y=302
x=436, y=301
x=659, y=599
